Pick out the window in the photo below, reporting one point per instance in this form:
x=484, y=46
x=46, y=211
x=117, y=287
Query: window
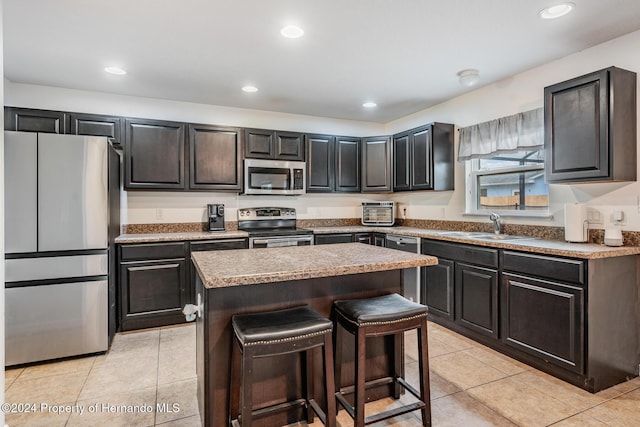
x=510, y=183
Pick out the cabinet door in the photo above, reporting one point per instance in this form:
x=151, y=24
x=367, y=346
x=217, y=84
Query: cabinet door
x=154, y=155
x=215, y=158
x=96, y=125
x=347, y=164
x=442, y=157
x=327, y=239
x=401, y=162
x=476, y=296
x=289, y=146
x=576, y=128
x=421, y=176
x=320, y=167
x=376, y=164
x=152, y=293
x=438, y=288
x=545, y=319
x=259, y=143
x=29, y=120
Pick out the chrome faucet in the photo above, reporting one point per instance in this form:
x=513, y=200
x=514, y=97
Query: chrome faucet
x=496, y=222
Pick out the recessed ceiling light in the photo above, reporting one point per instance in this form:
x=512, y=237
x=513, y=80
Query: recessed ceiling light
x=556, y=11
x=115, y=70
x=468, y=77
x=249, y=88
x=369, y=105
x=292, y=32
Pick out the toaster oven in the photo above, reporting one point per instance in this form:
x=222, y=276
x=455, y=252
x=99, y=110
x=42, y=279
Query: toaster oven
x=378, y=213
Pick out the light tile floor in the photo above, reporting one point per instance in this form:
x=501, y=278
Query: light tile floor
x=153, y=372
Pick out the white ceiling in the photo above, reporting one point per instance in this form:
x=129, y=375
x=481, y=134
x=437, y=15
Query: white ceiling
x=402, y=54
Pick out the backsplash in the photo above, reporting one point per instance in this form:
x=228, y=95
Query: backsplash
x=173, y=227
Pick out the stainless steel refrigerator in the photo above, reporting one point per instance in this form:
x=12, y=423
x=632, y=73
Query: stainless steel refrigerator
x=61, y=216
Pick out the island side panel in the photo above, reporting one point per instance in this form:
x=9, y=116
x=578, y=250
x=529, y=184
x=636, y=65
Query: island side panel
x=216, y=336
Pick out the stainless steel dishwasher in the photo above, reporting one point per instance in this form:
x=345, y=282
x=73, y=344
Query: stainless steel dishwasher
x=411, y=286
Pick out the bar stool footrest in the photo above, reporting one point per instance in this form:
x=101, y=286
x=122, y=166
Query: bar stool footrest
x=383, y=415
x=369, y=384
x=393, y=412
x=279, y=407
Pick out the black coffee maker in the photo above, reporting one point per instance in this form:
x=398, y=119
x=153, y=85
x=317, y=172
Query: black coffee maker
x=215, y=215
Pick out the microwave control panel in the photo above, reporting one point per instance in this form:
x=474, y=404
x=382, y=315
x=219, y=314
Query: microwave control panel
x=298, y=179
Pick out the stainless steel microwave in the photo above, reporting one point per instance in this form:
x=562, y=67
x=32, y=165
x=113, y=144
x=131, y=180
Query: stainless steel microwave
x=274, y=177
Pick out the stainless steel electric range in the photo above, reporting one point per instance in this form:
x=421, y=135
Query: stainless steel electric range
x=273, y=228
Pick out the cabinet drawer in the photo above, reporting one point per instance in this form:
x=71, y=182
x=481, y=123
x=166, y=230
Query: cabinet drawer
x=460, y=252
x=149, y=251
x=218, y=245
x=566, y=270
x=326, y=239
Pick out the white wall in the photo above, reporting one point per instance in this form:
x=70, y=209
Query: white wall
x=523, y=92
x=520, y=92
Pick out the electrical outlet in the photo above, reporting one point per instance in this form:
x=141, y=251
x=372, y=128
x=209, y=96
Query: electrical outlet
x=594, y=217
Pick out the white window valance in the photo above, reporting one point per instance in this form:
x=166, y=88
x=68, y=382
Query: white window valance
x=522, y=131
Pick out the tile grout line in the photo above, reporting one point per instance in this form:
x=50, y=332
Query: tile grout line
x=84, y=383
x=155, y=412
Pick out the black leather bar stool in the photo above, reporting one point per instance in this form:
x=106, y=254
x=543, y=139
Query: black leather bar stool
x=384, y=315
x=279, y=332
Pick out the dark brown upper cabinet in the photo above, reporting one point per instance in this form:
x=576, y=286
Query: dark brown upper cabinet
x=320, y=167
x=423, y=158
x=154, y=155
x=590, y=128
x=96, y=125
x=333, y=163
x=30, y=120
x=347, y=156
x=376, y=164
x=215, y=158
x=271, y=144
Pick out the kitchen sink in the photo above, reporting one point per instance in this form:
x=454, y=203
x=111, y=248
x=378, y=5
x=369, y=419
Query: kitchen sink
x=466, y=234
x=501, y=237
x=482, y=235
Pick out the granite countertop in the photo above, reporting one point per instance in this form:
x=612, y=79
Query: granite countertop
x=534, y=245
x=249, y=267
x=173, y=237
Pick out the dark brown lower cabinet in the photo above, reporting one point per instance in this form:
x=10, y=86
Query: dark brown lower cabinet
x=438, y=288
x=576, y=319
x=476, y=295
x=153, y=284
x=156, y=280
x=545, y=319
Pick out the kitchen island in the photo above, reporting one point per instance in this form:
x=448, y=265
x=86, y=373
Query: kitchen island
x=246, y=281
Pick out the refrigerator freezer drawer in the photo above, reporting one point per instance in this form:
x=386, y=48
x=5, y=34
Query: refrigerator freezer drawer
x=58, y=267
x=53, y=321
